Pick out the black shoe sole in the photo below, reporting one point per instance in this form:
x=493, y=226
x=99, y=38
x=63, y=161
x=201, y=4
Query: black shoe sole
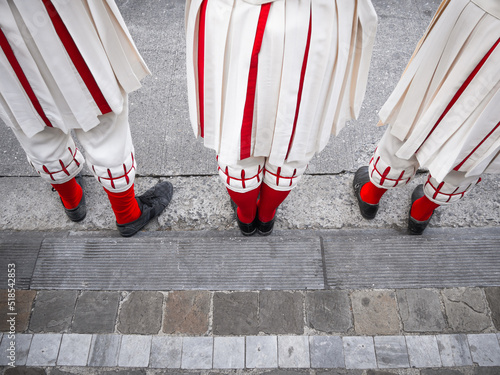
x=367, y=210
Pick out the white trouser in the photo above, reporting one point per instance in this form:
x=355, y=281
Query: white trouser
x=388, y=171
x=108, y=149
x=248, y=174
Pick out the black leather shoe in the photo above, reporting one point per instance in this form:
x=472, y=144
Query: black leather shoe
x=79, y=212
x=152, y=203
x=265, y=228
x=245, y=229
x=368, y=211
x=414, y=226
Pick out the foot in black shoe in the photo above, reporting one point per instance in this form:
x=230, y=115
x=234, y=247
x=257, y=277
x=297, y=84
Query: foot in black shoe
x=265, y=228
x=152, y=203
x=414, y=226
x=245, y=229
x=79, y=212
x=368, y=211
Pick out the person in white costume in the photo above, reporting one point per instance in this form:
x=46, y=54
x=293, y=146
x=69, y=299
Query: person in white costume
x=68, y=65
x=268, y=82
x=443, y=114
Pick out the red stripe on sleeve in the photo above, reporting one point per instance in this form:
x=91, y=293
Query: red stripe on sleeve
x=201, y=66
x=246, y=128
x=77, y=58
x=9, y=53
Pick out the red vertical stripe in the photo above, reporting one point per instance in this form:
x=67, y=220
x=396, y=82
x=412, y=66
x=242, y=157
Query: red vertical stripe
x=9, y=53
x=246, y=128
x=463, y=88
x=301, y=85
x=201, y=66
x=76, y=57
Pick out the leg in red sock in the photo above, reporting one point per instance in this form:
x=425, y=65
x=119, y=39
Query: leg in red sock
x=422, y=209
x=246, y=203
x=124, y=205
x=70, y=192
x=269, y=201
x=371, y=194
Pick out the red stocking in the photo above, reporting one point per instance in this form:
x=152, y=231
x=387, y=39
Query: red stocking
x=422, y=209
x=124, y=205
x=247, y=204
x=70, y=193
x=269, y=201
x=371, y=194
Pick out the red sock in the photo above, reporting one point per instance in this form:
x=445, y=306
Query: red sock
x=247, y=204
x=422, y=209
x=124, y=205
x=70, y=192
x=269, y=201
x=371, y=194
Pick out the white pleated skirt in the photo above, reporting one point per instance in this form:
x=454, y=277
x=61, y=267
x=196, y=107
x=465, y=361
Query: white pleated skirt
x=276, y=79
x=64, y=62
x=446, y=106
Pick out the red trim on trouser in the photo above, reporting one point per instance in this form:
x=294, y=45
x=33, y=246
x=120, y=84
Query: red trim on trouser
x=247, y=204
x=201, y=66
x=124, y=205
x=70, y=192
x=269, y=201
x=479, y=145
x=246, y=128
x=301, y=86
x=462, y=89
x=11, y=57
x=243, y=178
x=279, y=176
x=77, y=58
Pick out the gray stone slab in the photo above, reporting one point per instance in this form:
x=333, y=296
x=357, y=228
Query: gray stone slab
x=423, y=351
x=359, y=352
x=22, y=250
x=74, y=350
x=261, y=351
x=53, y=311
x=375, y=312
x=22, y=343
x=293, y=352
x=236, y=313
x=104, y=350
x=454, y=350
x=385, y=259
x=182, y=263
x=141, y=313
x=391, y=352
x=485, y=349
x=44, y=349
x=134, y=351
x=166, y=352
x=197, y=353
x=493, y=298
x=96, y=312
x=420, y=310
x=229, y=353
x=328, y=311
x=281, y=312
x=8, y=351
x=187, y=312
x=326, y=352
x=466, y=310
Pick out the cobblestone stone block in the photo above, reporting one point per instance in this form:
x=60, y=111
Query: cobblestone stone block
x=441, y=371
x=454, y=350
x=141, y=313
x=329, y=311
x=281, y=312
x=53, y=311
x=423, y=351
x=25, y=371
x=485, y=349
x=420, y=310
x=197, y=353
x=391, y=352
x=359, y=352
x=466, y=309
x=186, y=312
x=493, y=298
x=134, y=351
x=23, y=343
x=104, y=350
x=375, y=312
x=262, y=352
x=44, y=349
x=326, y=352
x=96, y=312
x=235, y=313
x=24, y=301
x=293, y=352
x=74, y=350
x=229, y=352
x=166, y=352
